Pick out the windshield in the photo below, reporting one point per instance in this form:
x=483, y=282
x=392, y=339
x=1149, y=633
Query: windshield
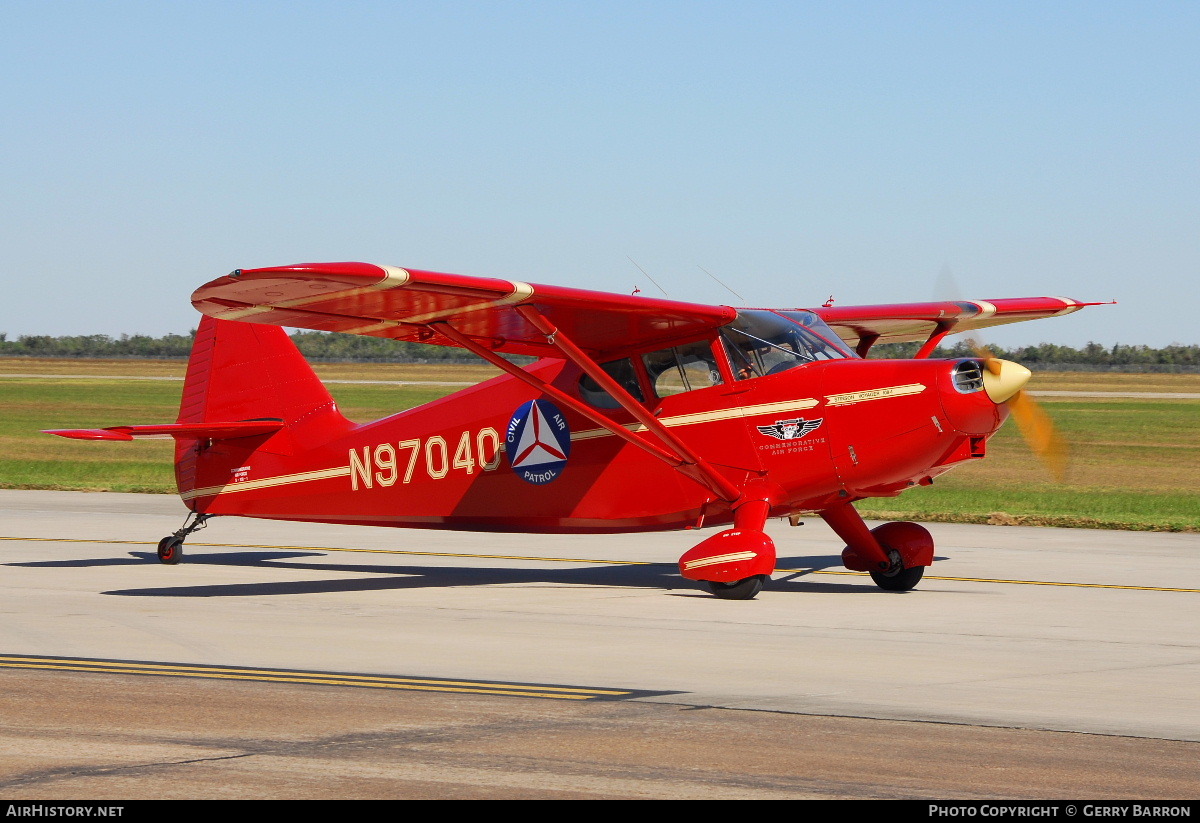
x=767, y=342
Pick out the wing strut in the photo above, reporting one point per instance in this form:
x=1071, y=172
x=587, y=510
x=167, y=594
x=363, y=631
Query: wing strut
x=675, y=454
x=940, y=330
x=865, y=341
x=692, y=464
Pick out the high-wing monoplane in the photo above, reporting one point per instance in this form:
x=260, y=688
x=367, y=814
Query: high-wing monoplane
x=638, y=414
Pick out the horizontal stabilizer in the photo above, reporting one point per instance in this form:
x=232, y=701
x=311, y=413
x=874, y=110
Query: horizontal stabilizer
x=211, y=431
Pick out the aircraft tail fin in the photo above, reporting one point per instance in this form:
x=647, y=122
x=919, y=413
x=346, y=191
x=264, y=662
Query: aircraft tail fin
x=247, y=372
x=249, y=394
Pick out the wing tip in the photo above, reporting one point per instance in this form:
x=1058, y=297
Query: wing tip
x=89, y=434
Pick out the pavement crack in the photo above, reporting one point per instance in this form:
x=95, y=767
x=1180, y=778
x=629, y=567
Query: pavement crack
x=70, y=773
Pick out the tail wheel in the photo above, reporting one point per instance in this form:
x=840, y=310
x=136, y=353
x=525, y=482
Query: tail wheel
x=746, y=589
x=170, y=550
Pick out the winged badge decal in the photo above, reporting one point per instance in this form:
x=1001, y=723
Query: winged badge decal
x=791, y=429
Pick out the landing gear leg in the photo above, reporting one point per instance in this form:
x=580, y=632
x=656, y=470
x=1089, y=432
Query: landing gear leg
x=895, y=554
x=170, y=548
x=735, y=563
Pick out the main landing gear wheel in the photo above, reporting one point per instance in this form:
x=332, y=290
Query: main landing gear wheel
x=898, y=578
x=170, y=549
x=746, y=589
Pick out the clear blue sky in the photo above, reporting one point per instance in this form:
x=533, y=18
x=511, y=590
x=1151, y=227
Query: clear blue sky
x=792, y=149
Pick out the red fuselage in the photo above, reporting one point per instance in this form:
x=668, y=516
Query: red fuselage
x=804, y=439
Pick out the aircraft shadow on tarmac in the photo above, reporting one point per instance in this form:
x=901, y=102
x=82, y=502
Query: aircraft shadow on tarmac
x=396, y=576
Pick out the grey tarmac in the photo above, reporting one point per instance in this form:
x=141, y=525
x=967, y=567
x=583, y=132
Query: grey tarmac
x=1030, y=663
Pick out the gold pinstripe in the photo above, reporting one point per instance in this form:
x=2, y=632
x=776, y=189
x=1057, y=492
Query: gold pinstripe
x=732, y=413
x=344, y=471
x=986, y=309
x=372, y=327
x=238, y=314
x=520, y=293
x=674, y=421
x=868, y=395
x=393, y=277
x=269, y=482
x=723, y=558
x=1071, y=306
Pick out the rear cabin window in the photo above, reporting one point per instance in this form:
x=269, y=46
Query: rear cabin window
x=621, y=371
x=683, y=368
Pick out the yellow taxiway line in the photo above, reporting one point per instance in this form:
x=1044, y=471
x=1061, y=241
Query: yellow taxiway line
x=11, y=661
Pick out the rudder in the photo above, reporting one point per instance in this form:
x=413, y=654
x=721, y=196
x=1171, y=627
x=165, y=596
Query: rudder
x=245, y=371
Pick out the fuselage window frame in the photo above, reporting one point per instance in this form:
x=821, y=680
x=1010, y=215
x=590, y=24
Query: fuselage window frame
x=683, y=361
x=626, y=372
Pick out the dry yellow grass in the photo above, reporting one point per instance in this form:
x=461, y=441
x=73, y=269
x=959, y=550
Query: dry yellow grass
x=65, y=366
x=458, y=372
x=1045, y=380
x=1133, y=460
x=1110, y=381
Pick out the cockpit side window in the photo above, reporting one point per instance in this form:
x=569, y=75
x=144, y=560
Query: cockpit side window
x=683, y=368
x=621, y=371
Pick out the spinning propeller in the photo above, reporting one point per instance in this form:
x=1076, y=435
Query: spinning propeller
x=1004, y=382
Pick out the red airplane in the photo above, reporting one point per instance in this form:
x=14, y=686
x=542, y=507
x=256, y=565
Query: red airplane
x=639, y=414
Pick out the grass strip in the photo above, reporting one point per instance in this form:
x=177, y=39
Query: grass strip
x=1134, y=460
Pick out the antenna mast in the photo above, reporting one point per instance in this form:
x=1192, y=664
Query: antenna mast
x=714, y=277
x=648, y=277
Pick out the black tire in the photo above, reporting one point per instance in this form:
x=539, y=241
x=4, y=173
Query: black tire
x=900, y=581
x=746, y=589
x=170, y=550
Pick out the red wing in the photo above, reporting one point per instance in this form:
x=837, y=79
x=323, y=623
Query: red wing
x=908, y=322
x=384, y=301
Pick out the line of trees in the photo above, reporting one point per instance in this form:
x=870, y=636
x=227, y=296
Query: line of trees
x=331, y=347
x=1093, y=356
x=318, y=346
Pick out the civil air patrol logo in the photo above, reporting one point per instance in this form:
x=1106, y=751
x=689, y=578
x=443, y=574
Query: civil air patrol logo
x=538, y=442
x=791, y=429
